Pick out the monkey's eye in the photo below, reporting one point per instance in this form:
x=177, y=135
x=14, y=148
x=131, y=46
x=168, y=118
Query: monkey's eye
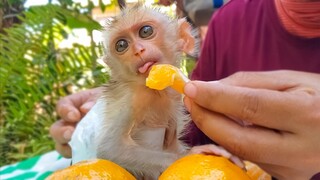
x=145, y=31
x=121, y=45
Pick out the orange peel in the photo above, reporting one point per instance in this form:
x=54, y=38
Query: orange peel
x=200, y=166
x=92, y=169
x=162, y=76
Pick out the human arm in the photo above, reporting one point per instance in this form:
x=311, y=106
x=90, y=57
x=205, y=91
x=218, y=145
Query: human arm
x=71, y=110
x=282, y=105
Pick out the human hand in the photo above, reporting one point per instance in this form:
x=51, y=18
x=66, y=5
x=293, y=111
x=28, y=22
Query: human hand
x=71, y=109
x=284, y=108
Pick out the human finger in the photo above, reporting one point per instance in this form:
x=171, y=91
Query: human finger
x=281, y=80
x=61, y=131
x=68, y=110
x=85, y=108
x=249, y=142
x=64, y=150
x=257, y=106
x=265, y=80
x=73, y=107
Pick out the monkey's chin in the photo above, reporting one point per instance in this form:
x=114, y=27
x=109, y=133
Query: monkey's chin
x=144, y=75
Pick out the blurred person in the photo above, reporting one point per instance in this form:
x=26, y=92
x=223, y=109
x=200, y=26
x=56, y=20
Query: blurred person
x=263, y=35
x=198, y=13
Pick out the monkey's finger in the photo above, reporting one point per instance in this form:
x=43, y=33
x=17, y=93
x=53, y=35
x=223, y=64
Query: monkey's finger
x=73, y=107
x=64, y=150
x=257, y=106
x=237, y=161
x=61, y=131
x=247, y=142
x=210, y=149
x=219, y=151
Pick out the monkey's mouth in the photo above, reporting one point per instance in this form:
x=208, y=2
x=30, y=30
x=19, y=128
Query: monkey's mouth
x=146, y=67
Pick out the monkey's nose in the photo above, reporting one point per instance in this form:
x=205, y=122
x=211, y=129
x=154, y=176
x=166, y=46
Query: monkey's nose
x=139, y=49
x=138, y=53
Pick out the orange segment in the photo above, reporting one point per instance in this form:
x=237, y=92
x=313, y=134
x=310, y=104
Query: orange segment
x=92, y=169
x=199, y=166
x=255, y=172
x=180, y=81
x=163, y=75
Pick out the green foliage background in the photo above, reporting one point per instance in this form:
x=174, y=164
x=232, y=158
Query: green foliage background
x=35, y=73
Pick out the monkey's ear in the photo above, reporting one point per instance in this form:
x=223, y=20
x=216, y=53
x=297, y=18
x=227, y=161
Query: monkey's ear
x=186, y=34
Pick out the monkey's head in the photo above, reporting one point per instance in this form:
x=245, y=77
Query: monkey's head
x=140, y=37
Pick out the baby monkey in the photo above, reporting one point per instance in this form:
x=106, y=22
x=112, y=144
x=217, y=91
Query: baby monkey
x=142, y=126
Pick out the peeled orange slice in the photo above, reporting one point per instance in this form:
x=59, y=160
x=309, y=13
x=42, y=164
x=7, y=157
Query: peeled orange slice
x=255, y=172
x=162, y=76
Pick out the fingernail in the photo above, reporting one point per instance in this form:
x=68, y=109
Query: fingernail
x=238, y=162
x=187, y=103
x=67, y=134
x=225, y=153
x=190, y=90
x=87, y=106
x=72, y=115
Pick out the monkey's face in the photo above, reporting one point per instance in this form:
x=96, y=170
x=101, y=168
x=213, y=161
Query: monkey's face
x=135, y=46
x=139, y=47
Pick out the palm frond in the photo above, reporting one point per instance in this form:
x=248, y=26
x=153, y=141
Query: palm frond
x=35, y=72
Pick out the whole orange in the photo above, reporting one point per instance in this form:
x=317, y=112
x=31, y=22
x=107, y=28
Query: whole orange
x=92, y=169
x=199, y=166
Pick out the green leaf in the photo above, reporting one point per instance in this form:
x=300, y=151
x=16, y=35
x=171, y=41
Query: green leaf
x=35, y=73
x=82, y=21
x=102, y=6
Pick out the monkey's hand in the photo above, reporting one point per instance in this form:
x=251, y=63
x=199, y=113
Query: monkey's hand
x=219, y=151
x=163, y=75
